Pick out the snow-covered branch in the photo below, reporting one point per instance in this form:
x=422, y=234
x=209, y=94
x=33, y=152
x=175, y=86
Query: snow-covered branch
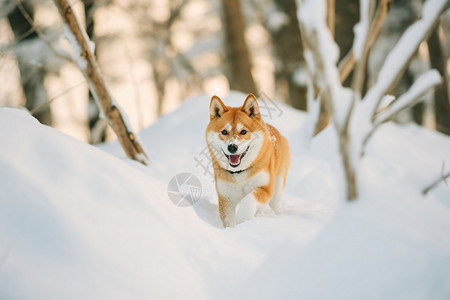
x=362, y=28
x=321, y=54
x=348, y=62
x=398, y=59
x=421, y=86
x=84, y=56
x=361, y=46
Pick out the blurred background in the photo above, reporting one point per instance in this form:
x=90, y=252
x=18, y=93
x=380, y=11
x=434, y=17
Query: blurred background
x=156, y=53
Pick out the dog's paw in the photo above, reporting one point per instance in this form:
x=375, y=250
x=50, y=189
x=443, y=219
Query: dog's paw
x=229, y=222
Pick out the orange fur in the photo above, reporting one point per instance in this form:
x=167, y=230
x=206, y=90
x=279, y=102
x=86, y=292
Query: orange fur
x=253, y=183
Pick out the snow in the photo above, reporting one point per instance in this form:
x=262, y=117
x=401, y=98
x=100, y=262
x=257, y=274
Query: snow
x=276, y=20
x=386, y=101
x=88, y=223
x=301, y=77
x=361, y=29
x=76, y=48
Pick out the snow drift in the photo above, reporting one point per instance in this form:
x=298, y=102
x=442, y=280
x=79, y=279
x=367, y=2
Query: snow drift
x=81, y=222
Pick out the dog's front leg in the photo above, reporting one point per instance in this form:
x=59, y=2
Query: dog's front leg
x=252, y=202
x=227, y=210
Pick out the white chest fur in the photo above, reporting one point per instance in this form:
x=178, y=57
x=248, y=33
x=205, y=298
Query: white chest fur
x=241, y=185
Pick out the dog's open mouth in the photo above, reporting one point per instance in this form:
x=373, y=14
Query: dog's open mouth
x=235, y=159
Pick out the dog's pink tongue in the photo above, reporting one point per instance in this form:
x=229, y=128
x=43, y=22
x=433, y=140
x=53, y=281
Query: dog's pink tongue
x=234, y=159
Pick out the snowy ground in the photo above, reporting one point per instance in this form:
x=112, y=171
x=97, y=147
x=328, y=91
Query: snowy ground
x=80, y=222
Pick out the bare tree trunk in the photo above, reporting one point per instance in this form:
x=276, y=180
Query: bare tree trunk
x=160, y=91
x=441, y=94
x=89, y=67
x=349, y=169
x=289, y=50
x=347, y=15
x=340, y=21
x=347, y=63
x=97, y=126
x=240, y=76
x=32, y=76
x=418, y=110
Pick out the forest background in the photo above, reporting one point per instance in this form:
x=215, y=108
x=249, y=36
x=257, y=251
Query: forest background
x=154, y=53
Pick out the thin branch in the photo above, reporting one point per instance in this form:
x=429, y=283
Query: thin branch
x=30, y=21
x=399, y=57
x=358, y=79
x=331, y=11
x=16, y=40
x=83, y=53
x=439, y=180
x=360, y=72
x=47, y=103
x=135, y=84
x=346, y=65
x=421, y=86
x=348, y=62
x=175, y=12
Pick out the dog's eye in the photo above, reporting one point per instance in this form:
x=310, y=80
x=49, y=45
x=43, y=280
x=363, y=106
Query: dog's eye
x=243, y=132
x=224, y=132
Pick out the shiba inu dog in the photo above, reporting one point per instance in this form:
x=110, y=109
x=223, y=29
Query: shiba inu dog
x=250, y=159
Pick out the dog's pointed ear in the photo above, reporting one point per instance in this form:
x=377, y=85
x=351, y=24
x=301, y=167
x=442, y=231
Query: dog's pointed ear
x=216, y=108
x=251, y=107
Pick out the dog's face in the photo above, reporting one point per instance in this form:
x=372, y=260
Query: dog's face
x=235, y=135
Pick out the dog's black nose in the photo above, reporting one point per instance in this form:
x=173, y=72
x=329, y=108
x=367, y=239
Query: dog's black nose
x=232, y=148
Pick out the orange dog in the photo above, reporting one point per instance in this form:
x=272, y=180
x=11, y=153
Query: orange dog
x=250, y=159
